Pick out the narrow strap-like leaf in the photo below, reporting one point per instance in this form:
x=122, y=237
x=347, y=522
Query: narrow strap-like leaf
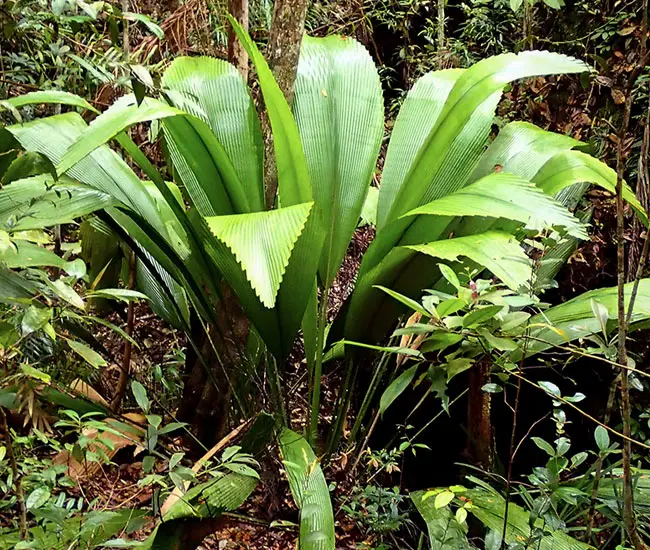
x=310, y=492
x=339, y=112
x=293, y=175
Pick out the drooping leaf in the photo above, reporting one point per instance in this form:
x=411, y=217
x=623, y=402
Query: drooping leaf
x=310, y=492
x=498, y=252
x=50, y=96
x=505, y=196
x=103, y=169
x=571, y=167
x=125, y=112
x=39, y=202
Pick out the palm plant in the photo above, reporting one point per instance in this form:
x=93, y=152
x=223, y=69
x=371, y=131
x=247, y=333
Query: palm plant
x=439, y=181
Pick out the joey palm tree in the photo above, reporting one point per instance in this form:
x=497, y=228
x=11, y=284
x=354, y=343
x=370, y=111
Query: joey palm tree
x=439, y=181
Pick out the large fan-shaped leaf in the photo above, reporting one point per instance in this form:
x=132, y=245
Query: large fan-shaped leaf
x=262, y=243
x=310, y=492
x=214, y=91
x=573, y=166
x=339, y=112
x=103, y=169
x=575, y=319
x=415, y=120
x=442, y=165
x=499, y=252
x=505, y=196
x=473, y=88
x=38, y=202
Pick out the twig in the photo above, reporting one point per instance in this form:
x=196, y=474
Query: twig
x=599, y=463
x=628, y=490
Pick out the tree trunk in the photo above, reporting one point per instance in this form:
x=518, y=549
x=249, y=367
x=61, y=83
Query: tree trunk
x=441, y=31
x=282, y=53
x=210, y=375
x=479, y=422
x=236, y=53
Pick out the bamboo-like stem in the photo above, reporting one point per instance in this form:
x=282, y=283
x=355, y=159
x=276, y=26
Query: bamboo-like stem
x=370, y=393
x=312, y=430
x=626, y=406
x=125, y=369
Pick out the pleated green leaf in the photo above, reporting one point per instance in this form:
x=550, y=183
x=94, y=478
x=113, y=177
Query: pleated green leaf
x=293, y=174
x=490, y=509
x=505, y=196
x=102, y=169
x=575, y=319
x=204, y=167
x=339, y=112
x=522, y=148
x=476, y=86
x=38, y=202
x=125, y=112
x=50, y=96
x=213, y=91
x=443, y=164
x=415, y=121
x=574, y=167
x=262, y=243
x=310, y=492
x=499, y=252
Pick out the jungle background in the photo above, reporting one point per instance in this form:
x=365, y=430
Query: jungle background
x=113, y=411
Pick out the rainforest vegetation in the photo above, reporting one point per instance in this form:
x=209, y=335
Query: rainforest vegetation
x=318, y=275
